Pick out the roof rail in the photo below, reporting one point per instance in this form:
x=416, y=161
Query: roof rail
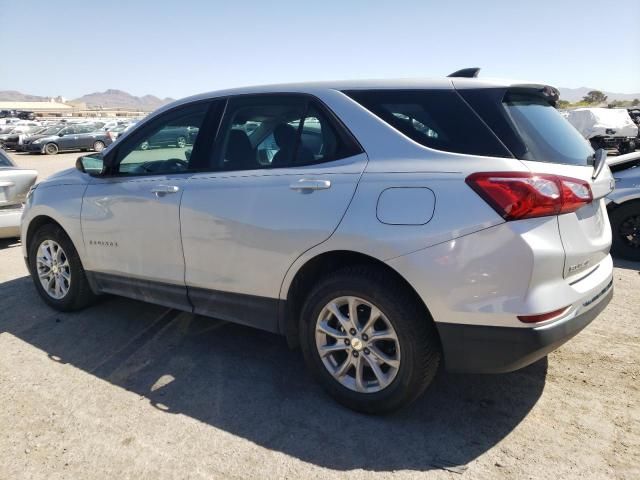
x=466, y=73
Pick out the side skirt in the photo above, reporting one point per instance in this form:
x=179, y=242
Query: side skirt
x=250, y=310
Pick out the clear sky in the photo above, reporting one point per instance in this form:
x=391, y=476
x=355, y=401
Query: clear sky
x=180, y=47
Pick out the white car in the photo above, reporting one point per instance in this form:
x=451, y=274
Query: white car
x=385, y=227
x=15, y=183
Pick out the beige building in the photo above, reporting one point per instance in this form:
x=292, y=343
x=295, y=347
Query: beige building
x=57, y=109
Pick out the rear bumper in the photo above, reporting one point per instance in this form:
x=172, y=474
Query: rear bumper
x=10, y=222
x=490, y=349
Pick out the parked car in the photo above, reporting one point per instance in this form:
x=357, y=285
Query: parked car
x=623, y=205
x=26, y=115
x=117, y=130
x=14, y=185
x=14, y=140
x=401, y=225
x=605, y=127
x=171, y=137
x=47, y=132
x=70, y=137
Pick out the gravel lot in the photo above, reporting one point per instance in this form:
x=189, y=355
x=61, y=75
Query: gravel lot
x=131, y=390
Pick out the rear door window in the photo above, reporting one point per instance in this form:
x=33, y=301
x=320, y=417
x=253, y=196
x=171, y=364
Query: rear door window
x=278, y=131
x=437, y=119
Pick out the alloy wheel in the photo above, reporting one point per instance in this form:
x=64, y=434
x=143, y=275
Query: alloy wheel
x=357, y=344
x=53, y=269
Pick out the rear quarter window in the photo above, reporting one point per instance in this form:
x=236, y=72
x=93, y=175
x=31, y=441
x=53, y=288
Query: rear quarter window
x=438, y=119
x=529, y=126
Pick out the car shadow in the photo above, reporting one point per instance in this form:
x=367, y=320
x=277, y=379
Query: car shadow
x=626, y=264
x=9, y=242
x=248, y=383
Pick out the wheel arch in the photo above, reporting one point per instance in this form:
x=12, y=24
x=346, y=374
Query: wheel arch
x=35, y=224
x=318, y=266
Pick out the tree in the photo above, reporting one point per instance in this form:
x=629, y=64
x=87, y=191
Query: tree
x=595, y=96
x=635, y=102
x=562, y=104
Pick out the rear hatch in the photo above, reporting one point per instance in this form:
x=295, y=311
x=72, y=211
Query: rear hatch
x=528, y=124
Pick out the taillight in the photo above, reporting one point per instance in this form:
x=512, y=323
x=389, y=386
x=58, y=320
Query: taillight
x=519, y=195
x=543, y=316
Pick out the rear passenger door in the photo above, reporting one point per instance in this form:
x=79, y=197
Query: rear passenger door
x=281, y=177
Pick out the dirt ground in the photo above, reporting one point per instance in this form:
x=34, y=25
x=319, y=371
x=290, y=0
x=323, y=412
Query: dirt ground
x=131, y=390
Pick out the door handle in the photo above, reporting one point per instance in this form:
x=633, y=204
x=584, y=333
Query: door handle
x=161, y=190
x=310, y=184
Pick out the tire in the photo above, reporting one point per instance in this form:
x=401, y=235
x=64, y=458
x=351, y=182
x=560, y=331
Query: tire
x=78, y=293
x=51, y=149
x=181, y=142
x=625, y=227
x=144, y=145
x=98, y=145
x=416, y=347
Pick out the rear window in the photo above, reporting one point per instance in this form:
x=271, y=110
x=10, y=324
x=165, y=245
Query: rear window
x=437, y=119
x=530, y=126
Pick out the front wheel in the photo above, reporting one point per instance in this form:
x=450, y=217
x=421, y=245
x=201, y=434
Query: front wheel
x=181, y=142
x=57, y=271
x=51, y=149
x=370, y=344
x=625, y=228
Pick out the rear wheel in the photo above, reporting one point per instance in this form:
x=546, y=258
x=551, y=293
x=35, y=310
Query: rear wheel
x=369, y=343
x=181, y=142
x=625, y=226
x=51, y=149
x=56, y=270
x=98, y=145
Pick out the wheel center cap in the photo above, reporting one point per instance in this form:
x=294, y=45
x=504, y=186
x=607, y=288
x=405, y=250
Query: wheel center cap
x=55, y=269
x=357, y=344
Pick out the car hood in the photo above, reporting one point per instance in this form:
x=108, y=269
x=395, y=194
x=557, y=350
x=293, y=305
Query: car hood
x=45, y=138
x=70, y=176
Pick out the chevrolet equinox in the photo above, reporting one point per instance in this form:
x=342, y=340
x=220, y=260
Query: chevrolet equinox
x=384, y=227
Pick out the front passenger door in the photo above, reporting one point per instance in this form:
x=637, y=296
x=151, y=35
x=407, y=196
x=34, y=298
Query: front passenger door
x=130, y=218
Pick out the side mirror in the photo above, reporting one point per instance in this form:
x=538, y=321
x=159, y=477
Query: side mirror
x=91, y=164
x=61, y=134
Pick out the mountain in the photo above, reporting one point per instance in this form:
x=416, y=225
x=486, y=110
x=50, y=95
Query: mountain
x=576, y=94
x=118, y=99
x=13, y=96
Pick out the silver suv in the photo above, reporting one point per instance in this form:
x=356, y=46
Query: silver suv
x=384, y=227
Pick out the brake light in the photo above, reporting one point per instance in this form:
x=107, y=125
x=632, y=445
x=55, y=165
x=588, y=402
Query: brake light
x=519, y=195
x=543, y=316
